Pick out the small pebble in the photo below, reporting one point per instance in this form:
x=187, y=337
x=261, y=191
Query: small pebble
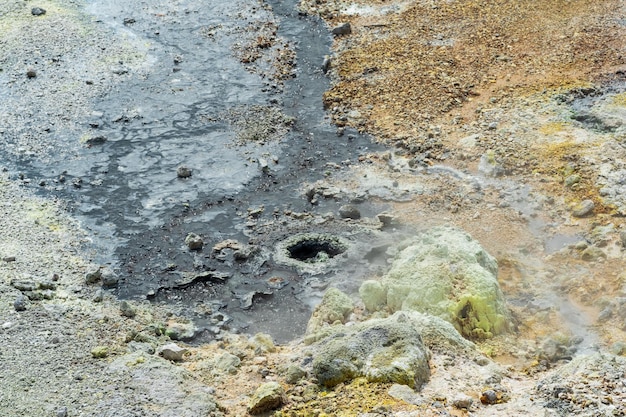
x=37, y=11
x=31, y=73
x=127, y=310
x=183, y=172
x=20, y=303
x=342, y=29
x=489, y=397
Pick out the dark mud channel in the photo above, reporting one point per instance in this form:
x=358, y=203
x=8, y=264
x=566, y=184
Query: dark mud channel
x=188, y=106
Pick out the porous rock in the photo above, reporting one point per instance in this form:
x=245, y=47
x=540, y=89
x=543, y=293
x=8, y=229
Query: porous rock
x=349, y=211
x=380, y=350
x=194, y=242
x=342, y=29
x=262, y=343
x=334, y=308
x=445, y=273
x=583, y=209
x=228, y=362
x=373, y=294
x=172, y=352
x=268, y=396
x=183, y=172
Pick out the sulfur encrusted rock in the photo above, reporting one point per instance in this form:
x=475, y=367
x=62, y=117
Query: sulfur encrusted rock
x=334, y=309
x=268, y=396
x=445, y=273
x=373, y=294
x=383, y=350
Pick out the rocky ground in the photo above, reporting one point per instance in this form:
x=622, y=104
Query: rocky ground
x=502, y=120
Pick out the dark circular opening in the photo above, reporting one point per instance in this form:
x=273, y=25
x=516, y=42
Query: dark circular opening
x=315, y=250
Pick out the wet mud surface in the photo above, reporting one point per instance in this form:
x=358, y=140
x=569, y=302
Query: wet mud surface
x=252, y=131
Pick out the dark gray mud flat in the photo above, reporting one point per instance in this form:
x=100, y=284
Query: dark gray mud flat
x=207, y=97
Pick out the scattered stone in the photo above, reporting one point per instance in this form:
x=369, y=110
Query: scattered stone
x=572, y=180
x=342, y=29
x=127, y=310
x=194, y=242
x=128, y=21
x=109, y=278
x=583, y=209
x=37, y=11
x=227, y=244
x=183, y=172
x=268, y=396
x=31, y=73
x=384, y=350
x=228, y=362
x=386, y=219
x=489, y=397
x=98, y=296
x=95, y=140
x=172, y=352
x=20, y=303
x=61, y=412
x=100, y=352
x=404, y=393
x=294, y=374
x=93, y=274
x=262, y=343
x=349, y=211
x=325, y=67
x=334, y=309
x=180, y=331
x=9, y=259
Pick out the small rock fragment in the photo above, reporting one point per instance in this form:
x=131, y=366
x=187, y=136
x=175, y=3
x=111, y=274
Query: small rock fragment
x=269, y=396
x=93, y=275
x=462, y=402
x=349, y=211
x=194, y=242
x=20, y=303
x=326, y=64
x=62, y=412
x=172, y=352
x=342, y=29
x=183, y=172
x=109, y=278
x=9, y=259
x=228, y=362
x=100, y=352
x=489, y=397
x=31, y=73
x=37, y=11
x=583, y=209
x=98, y=296
x=127, y=310
x=294, y=374
x=262, y=343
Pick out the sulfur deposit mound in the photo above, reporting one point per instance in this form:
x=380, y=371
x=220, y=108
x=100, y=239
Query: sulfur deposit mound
x=446, y=273
x=387, y=350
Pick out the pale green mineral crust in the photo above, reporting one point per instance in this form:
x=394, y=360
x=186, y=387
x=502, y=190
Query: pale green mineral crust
x=444, y=272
